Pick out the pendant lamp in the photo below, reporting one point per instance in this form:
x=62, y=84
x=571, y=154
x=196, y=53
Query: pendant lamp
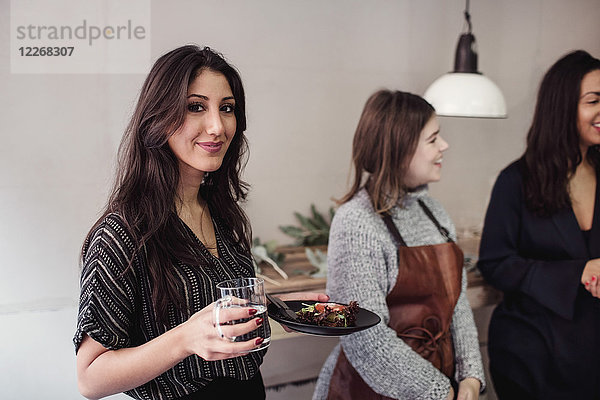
x=465, y=92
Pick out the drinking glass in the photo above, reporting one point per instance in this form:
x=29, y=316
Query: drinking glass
x=244, y=293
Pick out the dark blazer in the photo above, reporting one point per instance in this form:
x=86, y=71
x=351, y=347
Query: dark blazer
x=545, y=334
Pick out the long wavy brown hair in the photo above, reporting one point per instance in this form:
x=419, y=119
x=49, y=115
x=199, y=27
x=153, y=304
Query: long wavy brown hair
x=384, y=143
x=147, y=178
x=553, y=153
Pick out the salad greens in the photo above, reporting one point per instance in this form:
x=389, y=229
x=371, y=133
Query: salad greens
x=329, y=314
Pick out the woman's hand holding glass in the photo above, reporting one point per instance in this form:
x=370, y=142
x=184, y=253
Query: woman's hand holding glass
x=248, y=296
x=204, y=340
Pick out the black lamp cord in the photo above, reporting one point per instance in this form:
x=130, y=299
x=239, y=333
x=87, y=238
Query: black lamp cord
x=468, y=17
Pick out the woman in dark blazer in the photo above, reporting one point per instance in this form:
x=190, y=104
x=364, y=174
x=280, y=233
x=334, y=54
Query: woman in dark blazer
x=541, y=245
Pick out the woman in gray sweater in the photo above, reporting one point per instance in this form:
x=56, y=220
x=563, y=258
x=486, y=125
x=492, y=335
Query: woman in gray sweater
x=391, y=248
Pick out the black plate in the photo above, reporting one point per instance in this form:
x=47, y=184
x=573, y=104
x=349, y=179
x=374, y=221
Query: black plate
x=364, y=319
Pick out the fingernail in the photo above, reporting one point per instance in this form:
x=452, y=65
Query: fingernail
x=259, y=341
x=593, y=278
x=252, y=311
x=587, y=284
x=259, y=322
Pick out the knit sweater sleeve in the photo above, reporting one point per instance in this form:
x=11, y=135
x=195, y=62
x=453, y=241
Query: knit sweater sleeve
x=362, y=266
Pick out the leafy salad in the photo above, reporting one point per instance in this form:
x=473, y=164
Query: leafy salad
x=329, y=314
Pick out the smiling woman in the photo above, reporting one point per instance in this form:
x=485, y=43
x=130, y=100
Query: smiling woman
x=426, y=164
x=201, y=142
x=391, y=249
x=588, y=118
x=541, y=244
x=169, y=235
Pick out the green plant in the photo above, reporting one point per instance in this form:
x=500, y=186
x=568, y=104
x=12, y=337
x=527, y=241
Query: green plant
x=265, y=252
x=318, y=259
x=271, y=249
x=312, y=231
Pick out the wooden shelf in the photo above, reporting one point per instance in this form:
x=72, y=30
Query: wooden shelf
x=299, y=270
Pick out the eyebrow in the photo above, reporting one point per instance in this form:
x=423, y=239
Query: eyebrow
x=433, y=134
x=206, y=97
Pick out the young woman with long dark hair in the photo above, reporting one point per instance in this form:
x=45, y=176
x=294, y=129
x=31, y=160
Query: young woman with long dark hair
x=391, y=248
x=541, y=245
x=171, y=231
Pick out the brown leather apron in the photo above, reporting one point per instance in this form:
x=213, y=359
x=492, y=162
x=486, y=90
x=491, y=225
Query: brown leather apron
x=421, y=305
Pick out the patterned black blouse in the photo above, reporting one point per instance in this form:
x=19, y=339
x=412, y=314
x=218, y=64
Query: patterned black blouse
x=115, y=309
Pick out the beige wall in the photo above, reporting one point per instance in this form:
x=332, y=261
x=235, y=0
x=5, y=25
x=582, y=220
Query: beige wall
x=308, y=67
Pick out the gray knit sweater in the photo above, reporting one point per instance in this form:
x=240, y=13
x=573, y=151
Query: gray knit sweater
x=363, y=266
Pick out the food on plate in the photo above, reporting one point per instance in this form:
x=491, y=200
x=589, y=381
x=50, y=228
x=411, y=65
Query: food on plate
x=329, y=314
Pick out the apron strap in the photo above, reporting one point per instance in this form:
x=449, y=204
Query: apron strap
x=387, y=218
x=442, y=230
x=389, y=223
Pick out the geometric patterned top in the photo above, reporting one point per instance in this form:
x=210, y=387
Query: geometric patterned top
x=115, y=307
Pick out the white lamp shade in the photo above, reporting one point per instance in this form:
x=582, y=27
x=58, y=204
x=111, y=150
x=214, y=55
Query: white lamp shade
x=459, y=94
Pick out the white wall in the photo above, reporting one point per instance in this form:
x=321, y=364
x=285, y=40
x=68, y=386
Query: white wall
x=308, y=67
